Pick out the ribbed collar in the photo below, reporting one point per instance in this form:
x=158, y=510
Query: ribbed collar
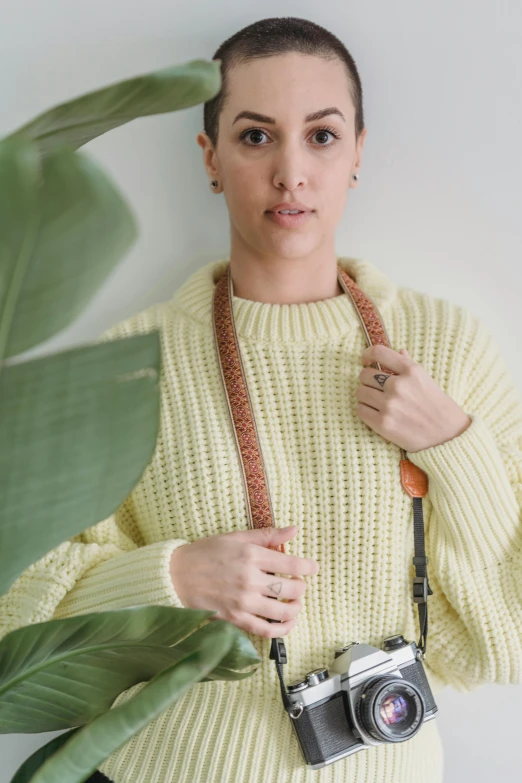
x=323, y=320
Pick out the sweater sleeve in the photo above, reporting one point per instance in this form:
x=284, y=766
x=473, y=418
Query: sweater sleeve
x=100, y=569
x=108, y=566
x=474, y=525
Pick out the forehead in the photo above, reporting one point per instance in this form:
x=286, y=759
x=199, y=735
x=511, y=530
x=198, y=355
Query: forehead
x=280, y=84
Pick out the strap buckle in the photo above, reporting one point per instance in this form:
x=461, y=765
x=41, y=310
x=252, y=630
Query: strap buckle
x=278, y=650
x=421, y=589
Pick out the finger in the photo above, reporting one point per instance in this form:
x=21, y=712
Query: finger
x=279, y=563
x=265, y=536
x=282, y=611
x=260, y=627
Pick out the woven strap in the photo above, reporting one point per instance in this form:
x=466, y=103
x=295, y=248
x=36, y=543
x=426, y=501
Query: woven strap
x=259, y=505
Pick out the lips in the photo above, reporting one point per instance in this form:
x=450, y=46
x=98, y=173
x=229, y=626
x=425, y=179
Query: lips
x=290, y=205
x=289, y=221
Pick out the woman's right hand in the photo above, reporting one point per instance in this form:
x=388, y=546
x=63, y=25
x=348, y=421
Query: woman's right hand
x=236, y=574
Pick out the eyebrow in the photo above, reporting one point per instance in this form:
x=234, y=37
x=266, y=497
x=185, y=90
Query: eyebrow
x=316, y=115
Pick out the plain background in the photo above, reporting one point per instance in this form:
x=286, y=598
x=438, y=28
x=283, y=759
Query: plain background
x=437, y=209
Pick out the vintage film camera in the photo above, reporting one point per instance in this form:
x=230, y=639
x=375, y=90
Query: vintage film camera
x=369, y=696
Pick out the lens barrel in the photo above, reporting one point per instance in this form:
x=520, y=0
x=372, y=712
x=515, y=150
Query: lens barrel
x=391, y=709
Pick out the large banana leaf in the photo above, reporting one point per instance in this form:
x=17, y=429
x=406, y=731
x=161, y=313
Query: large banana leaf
x=63, y=226
x=84, y=118
x=65, y=673
x=77, y=430
x=85, y=750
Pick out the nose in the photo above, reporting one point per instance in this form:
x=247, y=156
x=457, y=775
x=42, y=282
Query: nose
x=289, y=167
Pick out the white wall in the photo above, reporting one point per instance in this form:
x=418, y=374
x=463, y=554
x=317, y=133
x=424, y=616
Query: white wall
x=438, y=207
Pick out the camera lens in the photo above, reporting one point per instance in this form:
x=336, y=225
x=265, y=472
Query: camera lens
x=391, y=709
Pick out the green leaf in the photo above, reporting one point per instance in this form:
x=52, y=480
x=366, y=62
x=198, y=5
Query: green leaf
x=64, y=673
x=64, y=226
x=86, y=749
x=77, y=430
x=76, y=122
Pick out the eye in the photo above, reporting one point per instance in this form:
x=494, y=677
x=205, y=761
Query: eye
x=323, y=129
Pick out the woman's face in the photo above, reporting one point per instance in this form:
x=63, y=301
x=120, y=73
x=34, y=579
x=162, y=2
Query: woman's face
x=290, y=159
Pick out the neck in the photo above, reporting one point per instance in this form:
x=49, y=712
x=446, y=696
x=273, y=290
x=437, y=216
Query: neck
x=289, y=283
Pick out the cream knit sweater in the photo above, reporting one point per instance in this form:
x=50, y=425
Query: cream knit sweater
x=339, y=481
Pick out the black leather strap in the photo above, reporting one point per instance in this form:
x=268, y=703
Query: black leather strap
x=421, y=586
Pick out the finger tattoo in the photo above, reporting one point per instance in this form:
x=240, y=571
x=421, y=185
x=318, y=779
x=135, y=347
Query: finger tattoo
x=381, y=379
x=275, y=587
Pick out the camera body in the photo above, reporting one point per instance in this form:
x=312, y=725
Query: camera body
x=369, y=696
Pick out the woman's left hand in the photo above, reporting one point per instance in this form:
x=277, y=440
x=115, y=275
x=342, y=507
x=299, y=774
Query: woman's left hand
x=408, y=409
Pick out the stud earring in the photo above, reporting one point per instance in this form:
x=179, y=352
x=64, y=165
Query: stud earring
x=214, y=183
x=356, y=176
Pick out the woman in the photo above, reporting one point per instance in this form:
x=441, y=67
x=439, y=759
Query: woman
x=331, y=429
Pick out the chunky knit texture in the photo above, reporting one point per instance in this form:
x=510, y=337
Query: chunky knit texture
x=338, y=480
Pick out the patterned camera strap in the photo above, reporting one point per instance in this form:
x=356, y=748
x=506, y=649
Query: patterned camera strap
x=258, y=501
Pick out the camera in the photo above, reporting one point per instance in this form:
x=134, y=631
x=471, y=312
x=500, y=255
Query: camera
x=369, y=696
